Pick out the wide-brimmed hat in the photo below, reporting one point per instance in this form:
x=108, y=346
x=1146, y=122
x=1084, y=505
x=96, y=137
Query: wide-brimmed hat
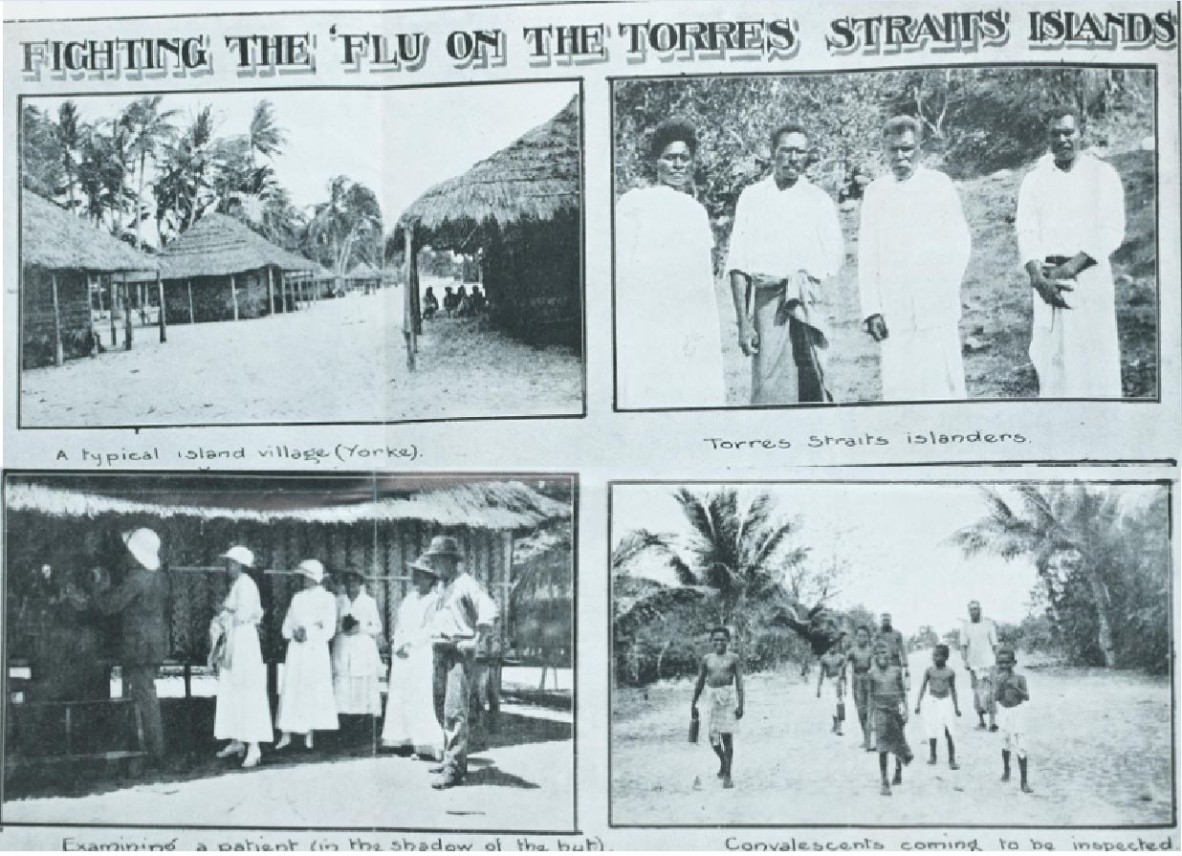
x=443, y=545
x=241, y=555
x=144, y=545
x=424, y=567
x=312, y=569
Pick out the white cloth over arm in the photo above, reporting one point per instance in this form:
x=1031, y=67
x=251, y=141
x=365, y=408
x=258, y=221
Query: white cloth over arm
x=669, y=346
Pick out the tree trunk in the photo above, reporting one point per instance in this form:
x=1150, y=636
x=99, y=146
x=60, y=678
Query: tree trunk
x=1103, y=619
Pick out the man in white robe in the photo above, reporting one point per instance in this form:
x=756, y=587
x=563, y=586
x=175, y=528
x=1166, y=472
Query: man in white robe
x=785, y=242
x=1071, y=218
x=913, y=248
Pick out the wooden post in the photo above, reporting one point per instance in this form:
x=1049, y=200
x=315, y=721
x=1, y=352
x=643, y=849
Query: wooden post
x=192, y=317
x=163, y=322
x=59, y=356
x=111, y=290
x=270, y=291
x=408, y=319
x=283, y=290
x=126, y=315
x=234, y=296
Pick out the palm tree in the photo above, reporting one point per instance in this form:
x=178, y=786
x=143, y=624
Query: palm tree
x=184, y=190
x=344, y=221
x=69, y=133
x=266, y=138
x=1065, y=530
x=150, y=131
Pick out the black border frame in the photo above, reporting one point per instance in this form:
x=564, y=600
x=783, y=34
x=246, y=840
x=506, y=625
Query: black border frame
x=576, y=490
x=1025, y=478
x=377, y=88
x=613, y=80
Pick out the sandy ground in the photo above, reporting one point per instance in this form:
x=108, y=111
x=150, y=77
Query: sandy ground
x=524, y=783
x=995, y=299
x=1099, y=743
x=335, y=361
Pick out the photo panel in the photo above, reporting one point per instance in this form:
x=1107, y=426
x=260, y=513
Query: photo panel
x=969, y=232
x=892, y=654
x=323, y=255
x=290, y=651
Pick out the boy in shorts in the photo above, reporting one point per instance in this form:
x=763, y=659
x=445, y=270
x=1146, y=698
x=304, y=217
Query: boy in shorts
x=1010, y=693
x=721, y=675
x=940, y=682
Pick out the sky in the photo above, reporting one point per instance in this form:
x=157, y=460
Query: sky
x=397, y=142
x=895, y=538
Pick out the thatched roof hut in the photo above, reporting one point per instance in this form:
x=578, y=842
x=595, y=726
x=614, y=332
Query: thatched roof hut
x=522, y=205
x=59, y=254
x=219, y=269
x=365, y=276
x=349, y=523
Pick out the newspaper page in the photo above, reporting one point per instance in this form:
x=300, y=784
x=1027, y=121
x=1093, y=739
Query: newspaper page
x=584, y=426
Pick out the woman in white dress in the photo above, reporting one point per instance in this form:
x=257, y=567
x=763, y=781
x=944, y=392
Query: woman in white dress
x=306, y=702
x=410, y=703
x=243, y=713
x=669, y=346
x=356, y=664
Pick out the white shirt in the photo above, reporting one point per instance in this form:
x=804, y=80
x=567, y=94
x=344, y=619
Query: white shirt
x=1064, y=213
x=462, y=607
x=778, y=232
x=977, y=640
x=364, y=610
x=913, y=248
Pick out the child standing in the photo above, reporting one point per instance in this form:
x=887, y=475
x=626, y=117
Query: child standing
x=888, y=700
x=861, y=659
x=721, y=675
x=833, y=668
x=940, y=682
x=1010, y=693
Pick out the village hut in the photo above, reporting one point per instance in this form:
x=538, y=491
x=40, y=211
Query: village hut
x=73, y=524
x=220, y=270
x=520, y=208
x=62, y=257
x=364, y=276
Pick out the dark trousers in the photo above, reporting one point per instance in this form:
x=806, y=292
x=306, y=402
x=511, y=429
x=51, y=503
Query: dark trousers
x=453, y=699
x=139, y=682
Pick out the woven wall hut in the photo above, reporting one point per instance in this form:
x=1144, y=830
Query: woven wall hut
x=522, y=207
x=60, y=254
x=73, y=523
x=219, y=270
x=365, y=277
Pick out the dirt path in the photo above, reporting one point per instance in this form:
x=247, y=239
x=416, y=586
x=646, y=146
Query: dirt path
x=1099, y=744
x=335, y=361
x=525, y=785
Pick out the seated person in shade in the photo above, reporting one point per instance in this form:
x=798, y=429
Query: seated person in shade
x=430, y=304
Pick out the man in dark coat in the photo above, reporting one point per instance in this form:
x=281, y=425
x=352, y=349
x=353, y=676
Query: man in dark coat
x=141, y=601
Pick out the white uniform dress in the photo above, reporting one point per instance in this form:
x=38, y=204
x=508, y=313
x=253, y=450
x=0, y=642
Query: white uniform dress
x=243, y=712
x=913, y=248
x=410, y=703
x=1075, y=351
x=306, y=700
x=356, y=664
x=669, y=347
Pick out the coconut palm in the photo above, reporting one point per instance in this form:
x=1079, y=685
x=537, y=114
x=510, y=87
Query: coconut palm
x=184, y=190
x=69, y=135
x=344, y=223
x=1068, y=531
x=150, y=131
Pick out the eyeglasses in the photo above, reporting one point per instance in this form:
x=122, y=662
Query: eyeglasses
x=785, y=152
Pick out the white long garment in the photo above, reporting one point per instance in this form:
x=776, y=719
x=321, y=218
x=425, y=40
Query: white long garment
x=243, y=712
x=669, y=348
x=410, y=703
x=306, y=701
x=1075, y=351
x=356, y=664
x=913, y=248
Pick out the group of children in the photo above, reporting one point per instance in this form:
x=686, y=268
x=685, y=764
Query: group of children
x=879, y=683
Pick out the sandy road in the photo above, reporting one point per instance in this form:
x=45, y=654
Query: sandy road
x=1100, y=755
x=340, y=360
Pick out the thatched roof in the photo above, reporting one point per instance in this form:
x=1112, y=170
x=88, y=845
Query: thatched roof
x=363, y=271
x=54, y=239
x=481, y=505
x=219, y=246
x=534, y=178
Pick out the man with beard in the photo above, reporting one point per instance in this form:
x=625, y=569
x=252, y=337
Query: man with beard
x=786, y=240
x=896, y=646
x=1071, y=218
x=913, y=248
